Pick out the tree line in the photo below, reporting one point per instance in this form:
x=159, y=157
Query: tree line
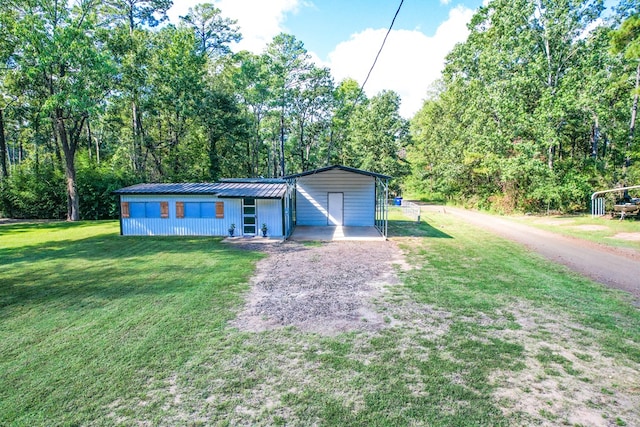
x=95, y=95
x=534, y=111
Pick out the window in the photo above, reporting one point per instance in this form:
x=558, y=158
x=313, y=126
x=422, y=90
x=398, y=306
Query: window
x=179, y=209
x=191, y=210
x=199, y=209
x=148, y=210
x=207, y=210
x=219, y=209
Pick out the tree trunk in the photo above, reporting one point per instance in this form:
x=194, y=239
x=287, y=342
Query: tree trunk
x=596, y=138
x=137, y=137
x=69, y=146
x=3, y=148
x=632, y=125
x=89, y=148
x=282, y=170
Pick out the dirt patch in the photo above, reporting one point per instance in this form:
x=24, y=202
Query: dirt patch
x=568, y=379
x=635, y=237
x=327, y=288
x=588, y=227
x=554, y=221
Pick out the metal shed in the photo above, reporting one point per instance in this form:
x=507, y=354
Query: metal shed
x=341, y=196
x=330, y=196
x=207, y=209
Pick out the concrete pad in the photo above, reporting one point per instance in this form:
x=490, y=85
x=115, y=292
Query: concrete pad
x=336, y=233
x=253, y=239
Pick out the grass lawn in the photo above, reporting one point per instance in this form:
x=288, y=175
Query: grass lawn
x=99, y=329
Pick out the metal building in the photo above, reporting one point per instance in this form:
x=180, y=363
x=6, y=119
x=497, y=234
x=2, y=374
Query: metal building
x=330, y=196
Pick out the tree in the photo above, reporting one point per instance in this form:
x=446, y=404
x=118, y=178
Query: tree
x=311, y=107
x=288, y=61
x=130, y=45
x=213, y=32
x=346, y=96
x=379, y=136
x=136, y=13
x=8, y=46
x=251, y=84
x=526, y=107
x=61, y=61
x=626, y=40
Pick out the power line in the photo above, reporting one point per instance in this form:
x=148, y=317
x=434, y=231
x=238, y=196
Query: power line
x=379, y=51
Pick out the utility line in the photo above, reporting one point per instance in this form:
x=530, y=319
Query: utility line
x=378, y=55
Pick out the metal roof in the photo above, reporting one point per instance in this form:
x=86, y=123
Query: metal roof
x=338, y=167
x=256, y=189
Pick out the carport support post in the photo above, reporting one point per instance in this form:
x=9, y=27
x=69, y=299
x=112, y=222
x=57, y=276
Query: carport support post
x=386, y=208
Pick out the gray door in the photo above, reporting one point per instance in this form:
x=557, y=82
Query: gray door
x=335, y=208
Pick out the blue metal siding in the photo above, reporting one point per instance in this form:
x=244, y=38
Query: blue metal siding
x=182, y=226
x=270, y=213
x=359, y=198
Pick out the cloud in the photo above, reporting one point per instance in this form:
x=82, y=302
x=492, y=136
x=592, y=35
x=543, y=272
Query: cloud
x=259, y=20
x=409, y=62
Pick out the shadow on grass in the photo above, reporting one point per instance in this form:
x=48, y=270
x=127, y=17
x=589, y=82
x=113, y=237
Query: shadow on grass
x=52, y=225
x=401, y=228
x=89, y=272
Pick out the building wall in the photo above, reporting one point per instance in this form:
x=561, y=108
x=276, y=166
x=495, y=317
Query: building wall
x=270, y=213
x=312, y=195
x=199, y=226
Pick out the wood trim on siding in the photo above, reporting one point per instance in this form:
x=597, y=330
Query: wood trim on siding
x=179, y=209
x=219, y=209
x=124, y=209
x=164, y=209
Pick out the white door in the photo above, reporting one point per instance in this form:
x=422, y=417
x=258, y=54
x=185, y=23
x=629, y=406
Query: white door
x=335, y=208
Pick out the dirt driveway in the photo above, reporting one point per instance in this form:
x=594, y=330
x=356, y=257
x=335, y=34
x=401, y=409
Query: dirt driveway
x=615, y=267
x=325, y=288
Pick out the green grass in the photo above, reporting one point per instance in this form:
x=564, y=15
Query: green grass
x=599, y=229
x=90, y=318
x=102, y=329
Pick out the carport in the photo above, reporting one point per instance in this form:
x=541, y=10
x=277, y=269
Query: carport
x=349, y=203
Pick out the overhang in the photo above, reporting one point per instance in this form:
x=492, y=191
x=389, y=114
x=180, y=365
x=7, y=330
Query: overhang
x=338, y=167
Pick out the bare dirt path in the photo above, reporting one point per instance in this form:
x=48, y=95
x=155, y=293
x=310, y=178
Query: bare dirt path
x=326, y=288
x=614, y=267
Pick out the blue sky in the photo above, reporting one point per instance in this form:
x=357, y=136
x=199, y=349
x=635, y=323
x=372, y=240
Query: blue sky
x=325, y=23
x=345, y=36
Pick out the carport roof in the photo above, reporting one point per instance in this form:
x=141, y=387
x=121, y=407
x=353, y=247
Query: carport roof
x=249, y=188
x=338, y=167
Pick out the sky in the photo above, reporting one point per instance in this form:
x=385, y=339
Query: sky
x=345, y=36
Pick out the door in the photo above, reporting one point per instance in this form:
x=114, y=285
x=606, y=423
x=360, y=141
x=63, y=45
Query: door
x=248, y=216
x=335, y=208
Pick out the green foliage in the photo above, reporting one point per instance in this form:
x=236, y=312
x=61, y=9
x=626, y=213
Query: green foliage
x=114, y=98
x=532, y=113
x=95, y=184
x=33, y=191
